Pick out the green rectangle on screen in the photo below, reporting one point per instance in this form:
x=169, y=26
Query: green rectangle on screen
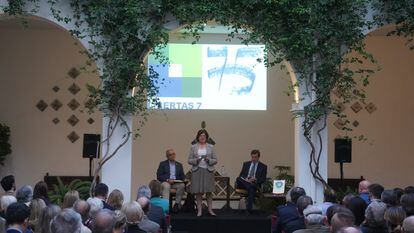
x=151, y=57
x=189, y=56
x=191, y=87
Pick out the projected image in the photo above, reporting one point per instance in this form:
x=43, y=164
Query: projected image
x=205, y=76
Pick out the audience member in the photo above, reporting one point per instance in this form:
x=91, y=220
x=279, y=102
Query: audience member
x=394, y=217
x=155, y=213
x=5, y=201
x=103, y=221
x=407, y=203
x=96, y=205
x=330, y=198
x=347, y=197
x=374, y=214
x=24, y=194
x=409, y=189
x=36, y=208
x=389, y=197
x=302, y=203
x=120, y=222
x=40, y=191
x=9, y=185
x=82, y=207
x=343, y=218
x=101, y=192
x=48, y=213
x=70, y=198
x=156, y=199
x=357, y=205
x=408, y=225
x=17, y=217
x=67, y=221
x=398, y=193
x=133, y=213
x=314, y=220
x=289, y=219
x=363, y=190
x=146, y=224
x=116, y=199
x=331, y=211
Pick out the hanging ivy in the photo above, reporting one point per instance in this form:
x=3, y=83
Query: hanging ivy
x=5, y=147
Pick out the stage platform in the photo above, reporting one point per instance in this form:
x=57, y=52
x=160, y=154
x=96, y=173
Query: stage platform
x=227, y=221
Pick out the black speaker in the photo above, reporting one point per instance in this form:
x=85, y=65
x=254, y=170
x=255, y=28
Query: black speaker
x=91, y=145
x=343, y=150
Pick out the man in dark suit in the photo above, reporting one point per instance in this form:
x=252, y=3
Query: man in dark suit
x=171, y=175
x=252, y=176
x=17, y=217
x=101, y=192
x=288, y=217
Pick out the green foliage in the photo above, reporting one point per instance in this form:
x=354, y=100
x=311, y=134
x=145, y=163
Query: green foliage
x=342, y=192
x=59, y=190
x=5, y=147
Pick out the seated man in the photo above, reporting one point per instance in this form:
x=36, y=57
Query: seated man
x=252, y=176
x=289, y=219
x=171, y=175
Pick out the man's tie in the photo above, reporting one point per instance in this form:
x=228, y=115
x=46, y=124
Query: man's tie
x=253, y=168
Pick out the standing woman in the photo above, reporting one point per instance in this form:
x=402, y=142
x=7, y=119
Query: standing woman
x=202, y=157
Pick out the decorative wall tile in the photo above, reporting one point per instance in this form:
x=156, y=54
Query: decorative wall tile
x=73, y=73
x=339, y=124
x=41, y=105
x=355, y=123
x=56, y=121
x=336, y=93
x=73, y=137
x=89, y=104
x=73, y=120
x=74, y=89
x=56, y=104
x=340, y=107
x=55, y=88
x=73, y=104
x=91, y=121
x=356, y=107
x=371, y=107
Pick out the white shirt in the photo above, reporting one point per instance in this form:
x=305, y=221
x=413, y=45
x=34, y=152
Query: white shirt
x=202, y=152
x=255, y=169
x=172, y=170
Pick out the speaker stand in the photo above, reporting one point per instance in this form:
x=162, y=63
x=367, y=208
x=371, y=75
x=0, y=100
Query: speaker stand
x=90, y=166
x=341, y=169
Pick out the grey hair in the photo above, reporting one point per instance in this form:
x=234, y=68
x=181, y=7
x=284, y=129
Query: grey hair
x=144, y=191
x=24, y=194
x=96, y=204
x=408, y=224
x=6, y=200
x=67, y=221
x=313, y=215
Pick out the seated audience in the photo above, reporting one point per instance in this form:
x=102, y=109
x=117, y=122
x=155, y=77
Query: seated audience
x=103, y=221
x=171, y=175
x=5, y=201
x=70, y=198
x=407, y=203
x=67, y=221
x=343, y=218
x=347, y=197
x=146, y=224
x=17, y=218
x=374, y=214
x=116, y=199
x=24, y=194
x=120, y=222
x=156, y=198
x=101, y=192
x=363, y=190
x=302, y=203
x=314, y=220
x=155, y=213
x=357, y=205
x=40, y=191
x=36, y=208
x=82, y=207
x=48, y=214
x=9, y=185
x=329, y=198
x=389, y=197
x=394, y=217
x=133, y=213
x=288, y=219
x=408, y=225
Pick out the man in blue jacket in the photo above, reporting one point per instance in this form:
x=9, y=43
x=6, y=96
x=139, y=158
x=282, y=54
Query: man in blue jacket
x=171, y=175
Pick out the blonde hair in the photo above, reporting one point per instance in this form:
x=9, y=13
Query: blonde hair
x=36, y=208
x=133, y=212
x=70, y=198
x=116, y=199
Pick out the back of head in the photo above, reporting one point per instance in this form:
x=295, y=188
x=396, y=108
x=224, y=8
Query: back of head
x=144, y=191
x=6, y=200
x=329, y=195
x=40, y=190
x=36, y=208
x=46, y=217
x=7, y=183
x=343, y=218
x=17, y=213
x=67, y=221
x=363, y=186
x=409, y=189
x=408, y=224
x=389, y=197
x=376, y=190
x=83, y=208
x=313, y=215
x=144, y=203
x=103, y=221
x=155, y=187
x=295, y=193
x=24, y=194
x=349, y=230
x=331, y=211
x=374, y=214
x=407, y=203
x=133, y=212
x=302, y=203
x=70, y=198
x=347, y=197
x=116, y=199
x=95, y=205
x=398, y=193
x=394, y=217
x=357, y=205
x=120, y=221
x=101, y=190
